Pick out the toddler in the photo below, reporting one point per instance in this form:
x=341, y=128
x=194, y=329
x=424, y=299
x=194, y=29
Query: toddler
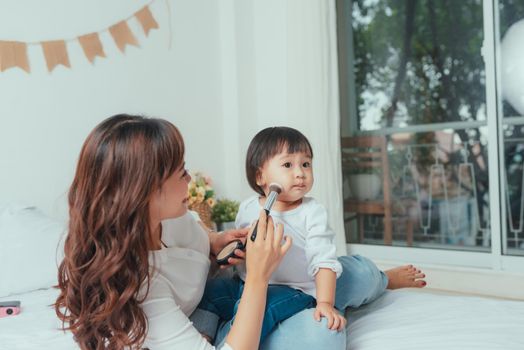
x=306, y=277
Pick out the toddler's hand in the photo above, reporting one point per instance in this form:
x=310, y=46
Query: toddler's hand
x=335, y=320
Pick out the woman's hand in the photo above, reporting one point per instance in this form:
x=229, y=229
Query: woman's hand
x=240, y=258
x=335, y=320
x=218, y=241
x=206, y=337
x=262, y=258
x=265, y=253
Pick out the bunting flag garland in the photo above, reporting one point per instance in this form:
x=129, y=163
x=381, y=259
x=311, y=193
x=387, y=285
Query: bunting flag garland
x=14, y=53
x=92, y=46
x=146, y=19
x=55, y=53
x=122, y=35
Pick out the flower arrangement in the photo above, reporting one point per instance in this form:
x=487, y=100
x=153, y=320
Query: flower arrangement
x=225, y=210
x=201, y=197
x=200, y=190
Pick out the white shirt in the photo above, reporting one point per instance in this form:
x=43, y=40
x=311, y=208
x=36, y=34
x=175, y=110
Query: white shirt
x=313, y=242
x=178, y=278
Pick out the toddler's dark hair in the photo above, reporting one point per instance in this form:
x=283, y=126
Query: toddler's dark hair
x=268, y=143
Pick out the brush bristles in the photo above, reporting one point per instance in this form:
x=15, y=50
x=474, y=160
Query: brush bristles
x=274, y=187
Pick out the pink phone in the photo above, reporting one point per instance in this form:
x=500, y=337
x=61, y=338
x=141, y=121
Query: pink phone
x=9, y=308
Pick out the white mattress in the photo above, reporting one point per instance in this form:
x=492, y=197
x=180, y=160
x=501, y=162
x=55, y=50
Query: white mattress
x=398, y=320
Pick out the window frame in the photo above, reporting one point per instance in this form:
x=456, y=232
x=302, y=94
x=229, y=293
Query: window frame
x=495, y=259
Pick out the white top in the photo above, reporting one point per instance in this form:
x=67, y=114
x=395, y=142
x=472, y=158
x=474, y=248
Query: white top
x=178, y=278
x=313, y=242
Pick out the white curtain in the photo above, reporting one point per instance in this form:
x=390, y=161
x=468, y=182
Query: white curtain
x=285, y=73
x=313, y=100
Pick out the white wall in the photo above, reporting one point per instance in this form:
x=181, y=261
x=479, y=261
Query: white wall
x=234, y=67
x=45, y=117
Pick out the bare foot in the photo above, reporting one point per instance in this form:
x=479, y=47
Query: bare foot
x=406, y=276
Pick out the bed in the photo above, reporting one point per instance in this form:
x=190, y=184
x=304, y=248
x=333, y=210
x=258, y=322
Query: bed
x=36, y=327
x=406, y=319
x=425, y=320
x=398, y=320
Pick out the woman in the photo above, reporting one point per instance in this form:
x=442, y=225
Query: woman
x=117, y=286
x=128, y=281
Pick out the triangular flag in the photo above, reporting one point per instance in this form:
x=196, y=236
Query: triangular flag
x=122, y=35
x=55, y=53
x=13, y=54
x=92, y=46
x=146, y=19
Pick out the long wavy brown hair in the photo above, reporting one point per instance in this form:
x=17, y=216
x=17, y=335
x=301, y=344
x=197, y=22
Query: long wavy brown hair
x=105, y=270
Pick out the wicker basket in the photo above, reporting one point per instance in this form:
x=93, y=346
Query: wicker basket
x=204, y=211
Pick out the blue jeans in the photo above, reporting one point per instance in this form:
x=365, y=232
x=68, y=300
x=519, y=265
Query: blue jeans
x=361, y=282
x=222, y=296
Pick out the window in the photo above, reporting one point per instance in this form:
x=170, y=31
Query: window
x=511, y=97
x=425, y=76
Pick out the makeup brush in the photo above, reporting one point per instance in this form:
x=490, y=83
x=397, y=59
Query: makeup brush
x=274, y=191
x=229, y=250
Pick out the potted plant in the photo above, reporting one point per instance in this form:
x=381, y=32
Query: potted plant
x=224, y=213
x=365, y=183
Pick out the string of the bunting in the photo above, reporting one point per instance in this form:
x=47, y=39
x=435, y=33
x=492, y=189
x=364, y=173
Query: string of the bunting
x=14, y=53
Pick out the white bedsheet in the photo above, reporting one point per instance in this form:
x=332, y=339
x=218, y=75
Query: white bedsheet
x=400, y=320
x=405, y=320
x=36, y=327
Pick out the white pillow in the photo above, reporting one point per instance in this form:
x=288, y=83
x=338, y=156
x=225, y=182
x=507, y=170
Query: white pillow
x=28, y=249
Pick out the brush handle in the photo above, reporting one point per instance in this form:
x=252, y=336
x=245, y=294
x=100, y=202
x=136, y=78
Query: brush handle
x=271, y=198
x=254, y=233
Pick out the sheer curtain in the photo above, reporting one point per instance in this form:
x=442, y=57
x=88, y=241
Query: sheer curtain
x=283, y=73
x=313, y=101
